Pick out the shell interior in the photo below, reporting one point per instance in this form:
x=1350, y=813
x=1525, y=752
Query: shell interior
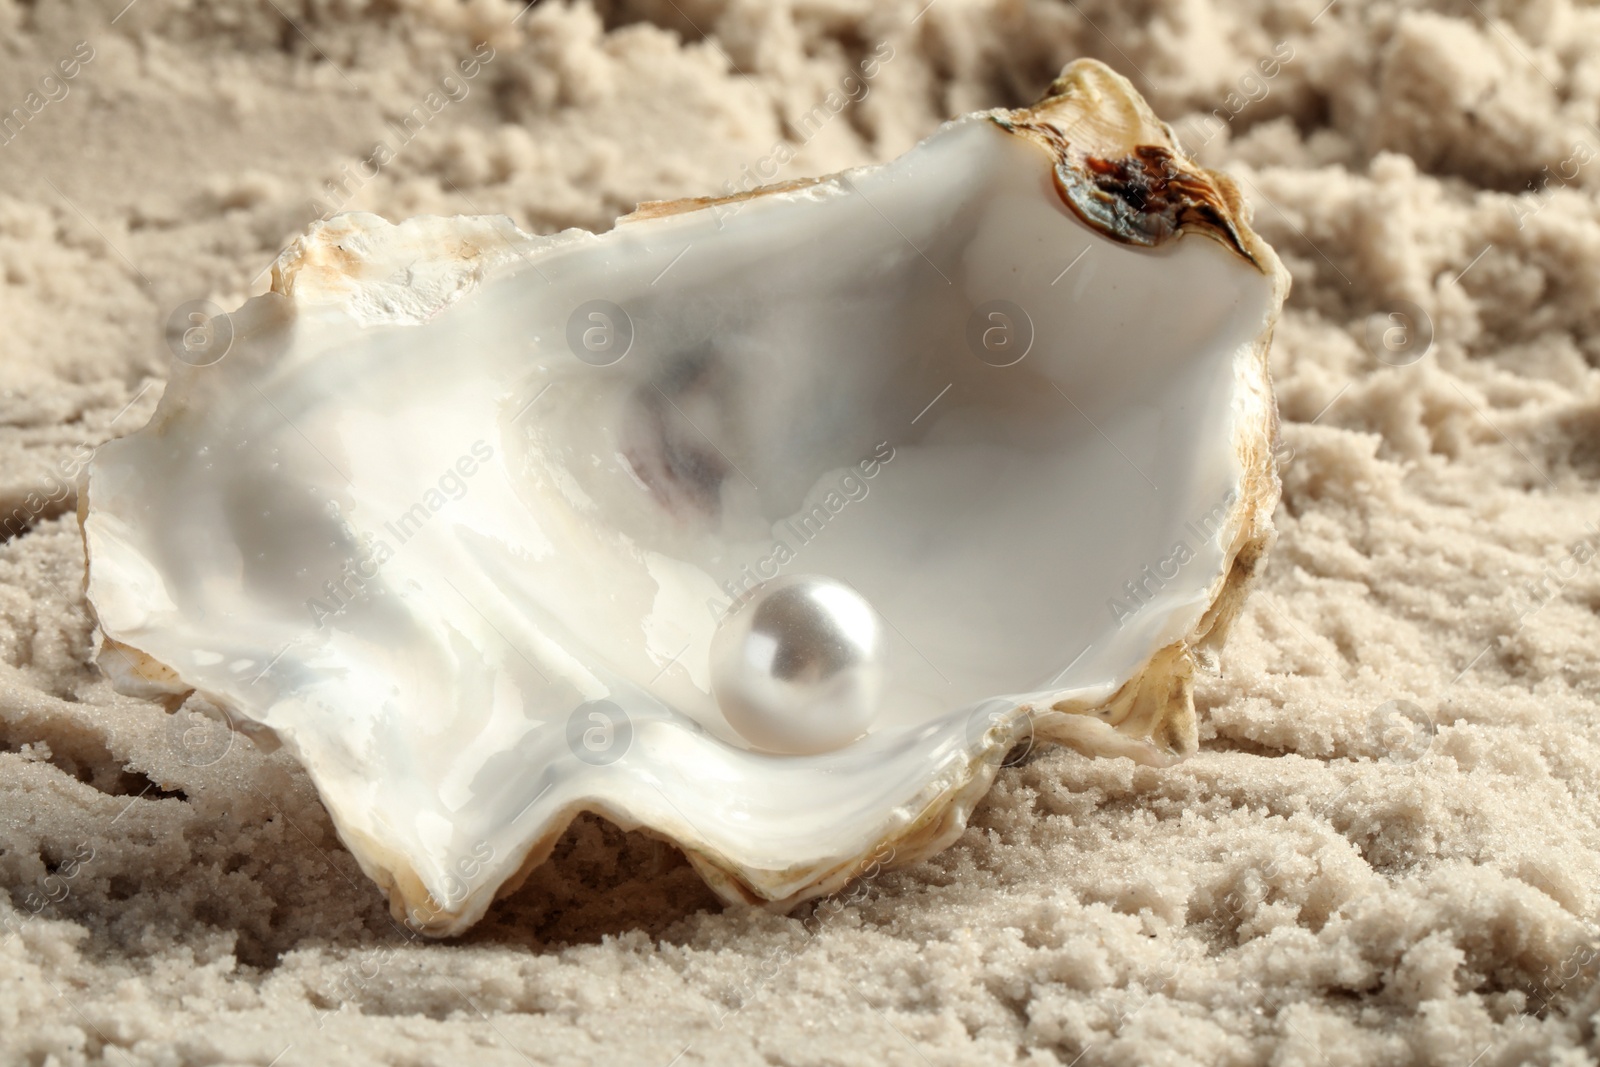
x=460, y=512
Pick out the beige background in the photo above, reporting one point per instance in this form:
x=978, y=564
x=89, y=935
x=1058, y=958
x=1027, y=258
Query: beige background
x=1319, y=886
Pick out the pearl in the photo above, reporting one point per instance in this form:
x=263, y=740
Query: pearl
x=799, y=669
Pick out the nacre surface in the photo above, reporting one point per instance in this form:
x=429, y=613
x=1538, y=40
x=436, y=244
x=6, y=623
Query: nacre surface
x=461, y=511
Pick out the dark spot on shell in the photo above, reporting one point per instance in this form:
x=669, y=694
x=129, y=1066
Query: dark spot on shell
x=1145, y=198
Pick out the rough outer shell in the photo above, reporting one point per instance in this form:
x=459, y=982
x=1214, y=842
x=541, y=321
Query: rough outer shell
x=1121, y=172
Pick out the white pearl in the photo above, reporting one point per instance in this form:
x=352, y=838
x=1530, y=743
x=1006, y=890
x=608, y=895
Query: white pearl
x=799, y=669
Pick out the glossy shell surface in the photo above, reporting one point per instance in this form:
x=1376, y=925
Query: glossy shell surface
x=460, y=513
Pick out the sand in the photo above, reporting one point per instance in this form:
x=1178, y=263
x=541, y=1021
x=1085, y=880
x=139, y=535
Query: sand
x=1387, y=850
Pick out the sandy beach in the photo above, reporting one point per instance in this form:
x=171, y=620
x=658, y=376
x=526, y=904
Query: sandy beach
x=1387, y=848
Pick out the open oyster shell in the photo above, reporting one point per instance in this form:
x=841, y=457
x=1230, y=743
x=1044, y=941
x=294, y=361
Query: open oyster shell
x=458, y=514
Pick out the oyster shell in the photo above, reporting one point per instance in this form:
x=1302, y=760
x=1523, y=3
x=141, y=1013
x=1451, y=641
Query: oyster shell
x=461, y=511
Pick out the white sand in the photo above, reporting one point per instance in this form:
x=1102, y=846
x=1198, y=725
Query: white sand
x=1308, y=889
